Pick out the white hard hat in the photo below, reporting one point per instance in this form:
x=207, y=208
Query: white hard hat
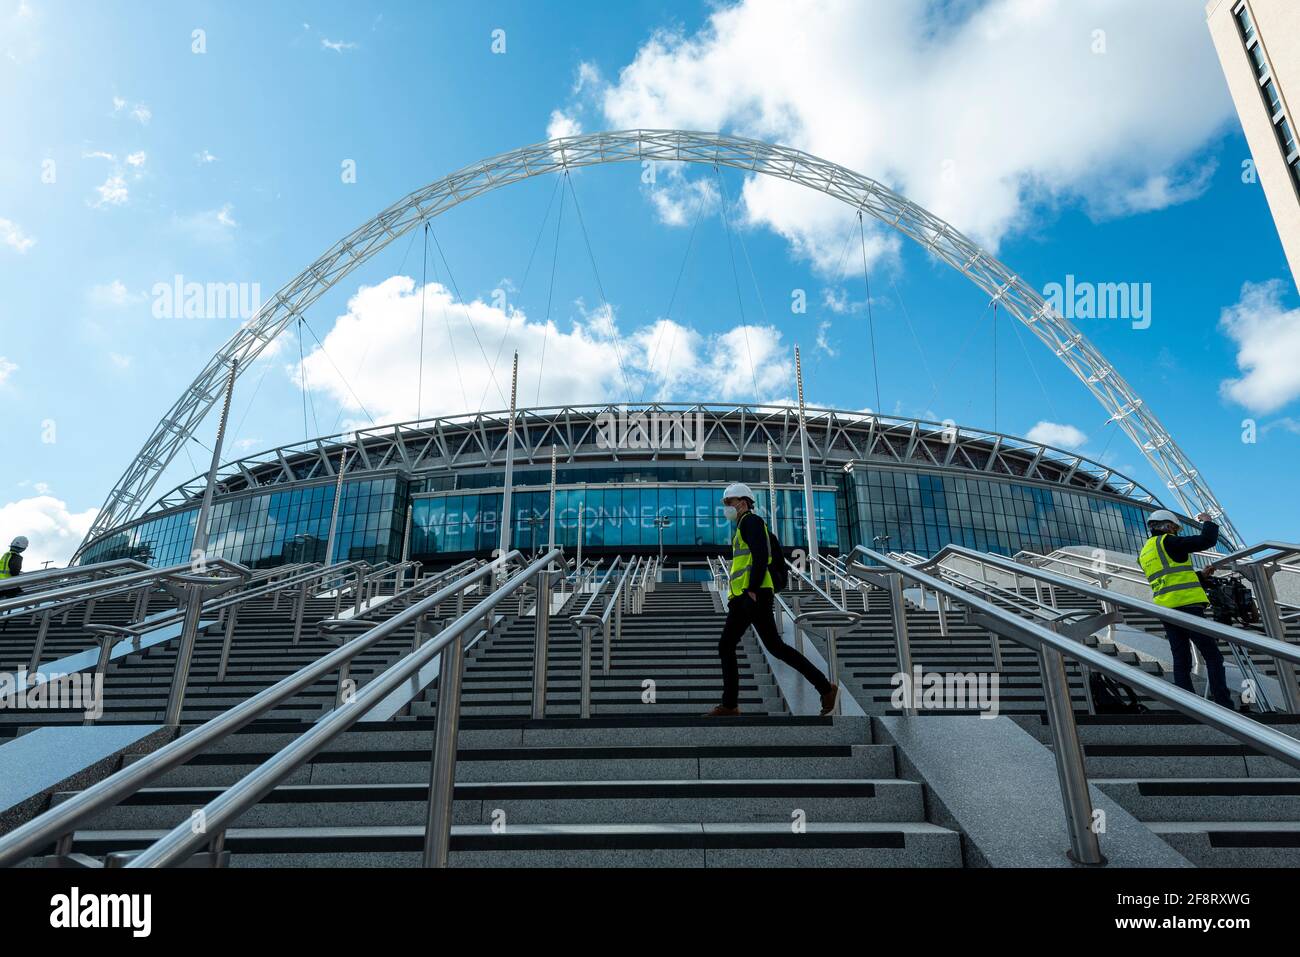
x=739, y=490
x=1162, y=515
x=19, y=543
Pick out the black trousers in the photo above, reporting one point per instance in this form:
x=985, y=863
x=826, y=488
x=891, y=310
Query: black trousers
x=743, y=611
x=1180, y=642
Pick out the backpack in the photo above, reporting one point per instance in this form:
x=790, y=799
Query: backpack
x=776, y=566
x=1113, y=697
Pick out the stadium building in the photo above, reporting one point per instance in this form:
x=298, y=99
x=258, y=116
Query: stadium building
x=640, y=478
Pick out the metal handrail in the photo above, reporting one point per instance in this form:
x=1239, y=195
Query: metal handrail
x=585, y=623
x=794, y=570
x=1286, y=654
x=45, y=576
x=59, y=823
x=92, y=588
x=181, y=842
x=1051, y=646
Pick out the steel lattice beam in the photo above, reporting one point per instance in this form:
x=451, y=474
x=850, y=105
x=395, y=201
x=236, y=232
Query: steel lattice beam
x=1003, y=286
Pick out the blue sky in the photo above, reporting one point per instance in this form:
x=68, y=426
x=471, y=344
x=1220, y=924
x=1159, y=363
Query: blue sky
x=130, y=158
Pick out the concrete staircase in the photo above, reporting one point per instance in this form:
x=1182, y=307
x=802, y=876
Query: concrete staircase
x=647, y=781
x=666, y=663
x=1215, y=801
x=656, y=791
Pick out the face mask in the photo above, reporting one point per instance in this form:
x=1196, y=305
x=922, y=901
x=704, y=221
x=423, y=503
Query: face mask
x=730, y=512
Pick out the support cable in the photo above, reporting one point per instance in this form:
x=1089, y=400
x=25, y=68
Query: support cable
x=911, y=327
x=344, y=379
x=1047, y=396
x=740, y=303
x=871, y=319
x=600, y=287
x=979, y=324
x=451, y=343
x=424, y=294
x=505, y=334
x=995, y=367
x=550, y=293
x=681, y=271
x=459, y=298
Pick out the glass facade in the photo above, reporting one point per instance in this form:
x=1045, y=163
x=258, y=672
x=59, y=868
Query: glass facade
x=274, y=528
x=920, y=512
x=458, y=513
x=612, y=517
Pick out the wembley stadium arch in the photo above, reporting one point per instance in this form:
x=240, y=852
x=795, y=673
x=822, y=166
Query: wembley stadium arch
x=129, y=495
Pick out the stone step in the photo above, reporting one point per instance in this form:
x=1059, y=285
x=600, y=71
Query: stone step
x=538, y=763
x=908, y=844
x=1233, y=843
x=552, y=802
x=1206, y=799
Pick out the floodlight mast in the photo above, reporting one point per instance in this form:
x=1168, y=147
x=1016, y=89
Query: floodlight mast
x=128, y=496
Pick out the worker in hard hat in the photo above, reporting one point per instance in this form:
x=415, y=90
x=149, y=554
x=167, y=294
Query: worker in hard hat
x=1166, y=559
x=11, y=562
x=750, y=601
x=11, y=565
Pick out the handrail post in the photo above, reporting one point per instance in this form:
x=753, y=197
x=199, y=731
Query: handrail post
x=584, y=709
x=1084, y=847
x=301, y=608
x=39, y=648
x=442, y=768
x=184, y=653
x=1261, y=577
x=902, y=643
x=227, y=642
x=833, y=661
x=618, y=633
x=541, y=643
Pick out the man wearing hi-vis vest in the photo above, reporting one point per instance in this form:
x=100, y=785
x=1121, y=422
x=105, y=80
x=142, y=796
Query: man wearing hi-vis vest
x=1166, y=559
x=751, y=597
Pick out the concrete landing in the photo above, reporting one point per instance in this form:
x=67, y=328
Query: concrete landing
x=995, y=782
x=35, y=765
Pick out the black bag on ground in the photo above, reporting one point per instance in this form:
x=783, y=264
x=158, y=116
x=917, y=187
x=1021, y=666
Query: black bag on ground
x=1113, y=697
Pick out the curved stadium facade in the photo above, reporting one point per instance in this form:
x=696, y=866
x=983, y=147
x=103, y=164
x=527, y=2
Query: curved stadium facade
x=433, y=489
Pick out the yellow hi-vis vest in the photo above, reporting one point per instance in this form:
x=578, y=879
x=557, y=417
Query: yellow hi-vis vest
x=1172, y=584
x=4, y=565
x=741, y=560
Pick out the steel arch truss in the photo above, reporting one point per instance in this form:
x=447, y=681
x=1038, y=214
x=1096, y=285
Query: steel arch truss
x=1004, y=288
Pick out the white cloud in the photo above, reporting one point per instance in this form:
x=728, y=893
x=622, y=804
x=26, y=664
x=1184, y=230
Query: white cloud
x=137, y=111
x=978, y=113
x=53, y=530
x=136, y=159
x=14, y=237
x=203, y=157
x=372, y=345
x=679, y=201
x=822, y=342
x=209, y=226
x=338, y=46
x=7, y=369
x=1053, y=433
x=113, y=293
x=112, y=192
x=562, y=124
x=1267, y=335
x=99, y=154
x=119, y=361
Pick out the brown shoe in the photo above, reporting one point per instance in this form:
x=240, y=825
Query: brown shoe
x=828, y=699
x=721, y=712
